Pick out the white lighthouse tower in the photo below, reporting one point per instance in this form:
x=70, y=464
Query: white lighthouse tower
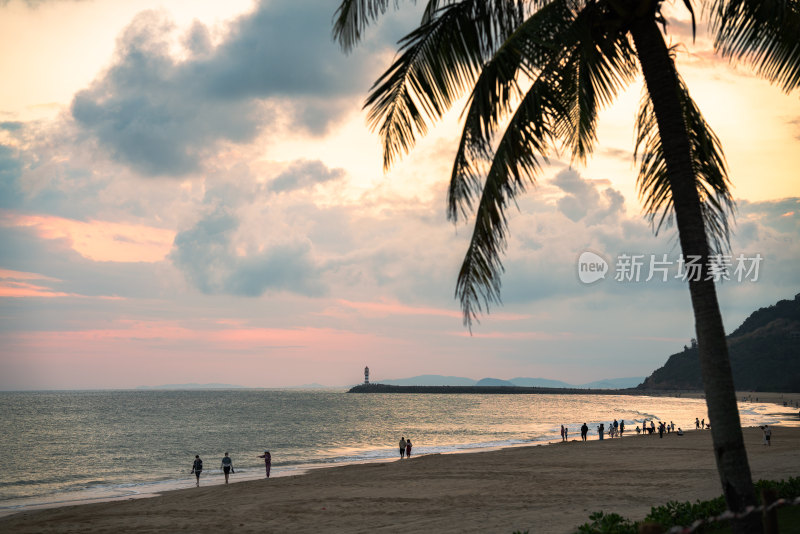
x=366, y=376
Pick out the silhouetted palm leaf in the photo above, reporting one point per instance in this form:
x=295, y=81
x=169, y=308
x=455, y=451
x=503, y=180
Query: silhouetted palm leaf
x=353, y=16
x=561, y=103
x=438, y=61
x=710, y=171
x=763, y=33
x=533, y=47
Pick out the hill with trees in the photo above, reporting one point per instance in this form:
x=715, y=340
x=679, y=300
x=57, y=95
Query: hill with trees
x=764, y=354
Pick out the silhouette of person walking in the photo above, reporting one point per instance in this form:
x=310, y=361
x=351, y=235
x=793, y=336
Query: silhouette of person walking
x=267, y=461
x=227, y=466
x=197, y=468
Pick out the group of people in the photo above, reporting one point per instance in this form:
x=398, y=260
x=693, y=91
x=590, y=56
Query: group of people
x=615, y=429
x=663, y=428
x=227, y=466
x=700, y=424
x=405, y=447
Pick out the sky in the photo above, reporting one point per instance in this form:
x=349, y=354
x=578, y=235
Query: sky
x=190, y=193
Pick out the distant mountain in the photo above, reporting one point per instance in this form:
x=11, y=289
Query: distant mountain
x=439, y=380
x=764, y=353
x=193, y=386
x=540, y=383
x=430, y=380
x=483, y=382
x=614, y=383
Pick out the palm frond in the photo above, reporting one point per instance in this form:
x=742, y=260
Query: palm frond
x=762, y=33
x=593, y=76
x=438, y=61
x=519, y=155
x=579, y=70
x=353, y=16
x=709, y=166
x=534, y=45
x=604, y=64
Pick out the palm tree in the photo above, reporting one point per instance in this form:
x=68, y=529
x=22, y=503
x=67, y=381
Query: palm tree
x=538, y=73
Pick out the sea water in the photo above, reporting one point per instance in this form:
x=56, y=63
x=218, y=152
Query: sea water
x=78, y=446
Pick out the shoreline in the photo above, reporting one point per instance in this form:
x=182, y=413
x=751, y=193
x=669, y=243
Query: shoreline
x=549, y=488
x=214, y=478
x=121, y=490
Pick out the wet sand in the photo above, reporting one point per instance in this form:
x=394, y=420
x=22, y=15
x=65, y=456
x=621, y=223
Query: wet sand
x=544, y=489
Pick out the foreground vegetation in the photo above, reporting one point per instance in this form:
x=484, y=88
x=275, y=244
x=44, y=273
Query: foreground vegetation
x=684, y=514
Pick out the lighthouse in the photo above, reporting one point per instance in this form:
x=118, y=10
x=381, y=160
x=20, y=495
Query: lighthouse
x=366, y=376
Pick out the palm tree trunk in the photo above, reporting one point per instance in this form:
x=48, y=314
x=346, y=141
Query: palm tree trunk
x=662, y=83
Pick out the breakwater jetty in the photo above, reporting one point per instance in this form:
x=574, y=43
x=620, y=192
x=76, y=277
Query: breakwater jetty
x=489, y=390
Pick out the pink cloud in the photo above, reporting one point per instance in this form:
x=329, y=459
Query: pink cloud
x=99, y=240
x=517, y=335
x=16, y=284
x=386, y=308
x=21, y=289
x=20, y=275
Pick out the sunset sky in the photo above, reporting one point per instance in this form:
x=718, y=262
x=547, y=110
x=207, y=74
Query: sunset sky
x=189, y=193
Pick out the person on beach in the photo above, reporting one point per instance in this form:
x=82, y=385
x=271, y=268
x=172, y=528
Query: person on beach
x=652, y=427
x=768, y=435
x=680, y=432
x=408, y=448
x=638, y=430
x=696, y=423
x=402, y=447
x=616, y=428
x=661, y=430
x=601, y=430
x=197, y=468
x=621, y=427
x=566, y=433
x=584, y=431
x=702, y=424
x=227, y=466
x=267, y=461
x=562, y=433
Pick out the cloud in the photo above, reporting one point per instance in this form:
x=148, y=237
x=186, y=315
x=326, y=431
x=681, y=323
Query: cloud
x=65, y=271
x=10, y=126
x=584, y=197
x=275, y=69
x=10, y=170
x=150, y=113
x=208, y=255
x=796, y=127
x=98, y=240
x=36, y=3
x=304, y=174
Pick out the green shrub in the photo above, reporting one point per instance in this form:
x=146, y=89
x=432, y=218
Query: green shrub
x=786, y=489
x=608, y=524
x=685, y=513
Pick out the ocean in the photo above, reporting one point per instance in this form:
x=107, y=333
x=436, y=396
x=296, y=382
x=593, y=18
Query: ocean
x=66, y=447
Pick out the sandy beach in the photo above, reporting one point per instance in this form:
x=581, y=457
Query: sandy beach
x=544, y=489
